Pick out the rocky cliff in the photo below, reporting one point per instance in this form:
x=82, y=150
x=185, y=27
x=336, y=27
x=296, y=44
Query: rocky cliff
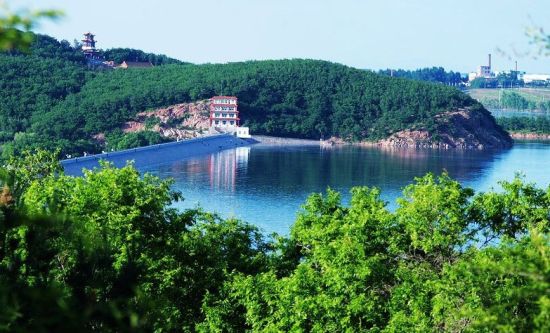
x=180, y=121
x=462, y=128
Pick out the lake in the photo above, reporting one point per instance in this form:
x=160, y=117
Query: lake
x=266, y=185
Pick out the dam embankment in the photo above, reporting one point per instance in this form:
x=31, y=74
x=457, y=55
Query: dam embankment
x=156, y=154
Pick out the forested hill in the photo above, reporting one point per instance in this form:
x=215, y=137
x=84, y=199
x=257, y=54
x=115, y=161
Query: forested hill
x=433, y=74
x=52, y=100
x=32, y=83
x=45, y=46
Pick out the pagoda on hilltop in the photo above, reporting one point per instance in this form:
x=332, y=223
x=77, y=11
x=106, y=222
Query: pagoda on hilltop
x=88, y=46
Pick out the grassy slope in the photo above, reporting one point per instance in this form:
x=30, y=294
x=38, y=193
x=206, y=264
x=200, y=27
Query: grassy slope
x=531, y=94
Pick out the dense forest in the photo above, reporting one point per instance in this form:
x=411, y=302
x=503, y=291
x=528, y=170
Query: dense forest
x=540, y=125
x=118, y=55
x=106, y=253
x=34, y=81
x=433, y=74
x=513, y=100
x=51, y=99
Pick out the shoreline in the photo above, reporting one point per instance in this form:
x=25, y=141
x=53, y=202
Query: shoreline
x=156, y=154
x=384, y=143
x=529, y=136
x=276, y=140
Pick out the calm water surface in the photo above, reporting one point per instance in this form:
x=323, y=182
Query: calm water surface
x=266, y=185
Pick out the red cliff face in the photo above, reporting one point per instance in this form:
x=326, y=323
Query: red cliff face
x=461, y=129
x=178, y=121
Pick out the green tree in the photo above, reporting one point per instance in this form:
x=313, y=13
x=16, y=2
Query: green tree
x=446, y=260
x=115, y=256
x=15, y=27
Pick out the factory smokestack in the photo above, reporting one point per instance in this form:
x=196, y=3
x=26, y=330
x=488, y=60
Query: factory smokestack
x=489, y=60
x=516, y=65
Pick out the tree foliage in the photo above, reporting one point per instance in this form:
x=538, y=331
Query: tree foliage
x=432, y=265
x=118, y=55
x=105, y=252
x=539, y=125
x=33, y=82
x=15, y=28
x=433, y=74
x=117, y=140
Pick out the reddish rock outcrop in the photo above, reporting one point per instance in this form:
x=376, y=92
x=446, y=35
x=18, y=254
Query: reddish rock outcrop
x=180, y=121
x=462, y=129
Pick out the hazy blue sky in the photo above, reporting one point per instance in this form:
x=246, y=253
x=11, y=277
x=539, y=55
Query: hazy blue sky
x=455, y=34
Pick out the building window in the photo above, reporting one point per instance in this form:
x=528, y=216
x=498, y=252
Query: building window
x=224, y=122
x=217, y=122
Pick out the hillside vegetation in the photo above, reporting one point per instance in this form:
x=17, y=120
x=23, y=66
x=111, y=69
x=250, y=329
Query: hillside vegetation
x=51, y=99
x=535, y=125
x=515, y=99
x=433, y=74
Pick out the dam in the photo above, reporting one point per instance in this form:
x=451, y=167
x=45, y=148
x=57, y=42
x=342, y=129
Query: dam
x=156, y=154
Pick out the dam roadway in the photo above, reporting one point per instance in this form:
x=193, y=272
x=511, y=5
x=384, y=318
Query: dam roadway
x=156, y=154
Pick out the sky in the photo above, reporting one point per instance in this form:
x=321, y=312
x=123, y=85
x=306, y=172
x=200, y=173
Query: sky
x=370, y=34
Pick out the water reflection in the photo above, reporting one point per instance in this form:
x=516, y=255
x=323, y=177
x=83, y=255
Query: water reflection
x=222, y=167
x=266, y=185
x=294, y=168
x=220, y=170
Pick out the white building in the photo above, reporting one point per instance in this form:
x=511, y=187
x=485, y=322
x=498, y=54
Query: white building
x=224, y=116
x=482, y=72
x=530, y=78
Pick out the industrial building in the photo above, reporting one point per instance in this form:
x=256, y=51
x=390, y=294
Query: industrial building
x=482, y=72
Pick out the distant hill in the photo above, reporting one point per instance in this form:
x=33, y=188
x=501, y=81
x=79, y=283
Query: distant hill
x=53, y=100
x=118, y=55
x=431, y=74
